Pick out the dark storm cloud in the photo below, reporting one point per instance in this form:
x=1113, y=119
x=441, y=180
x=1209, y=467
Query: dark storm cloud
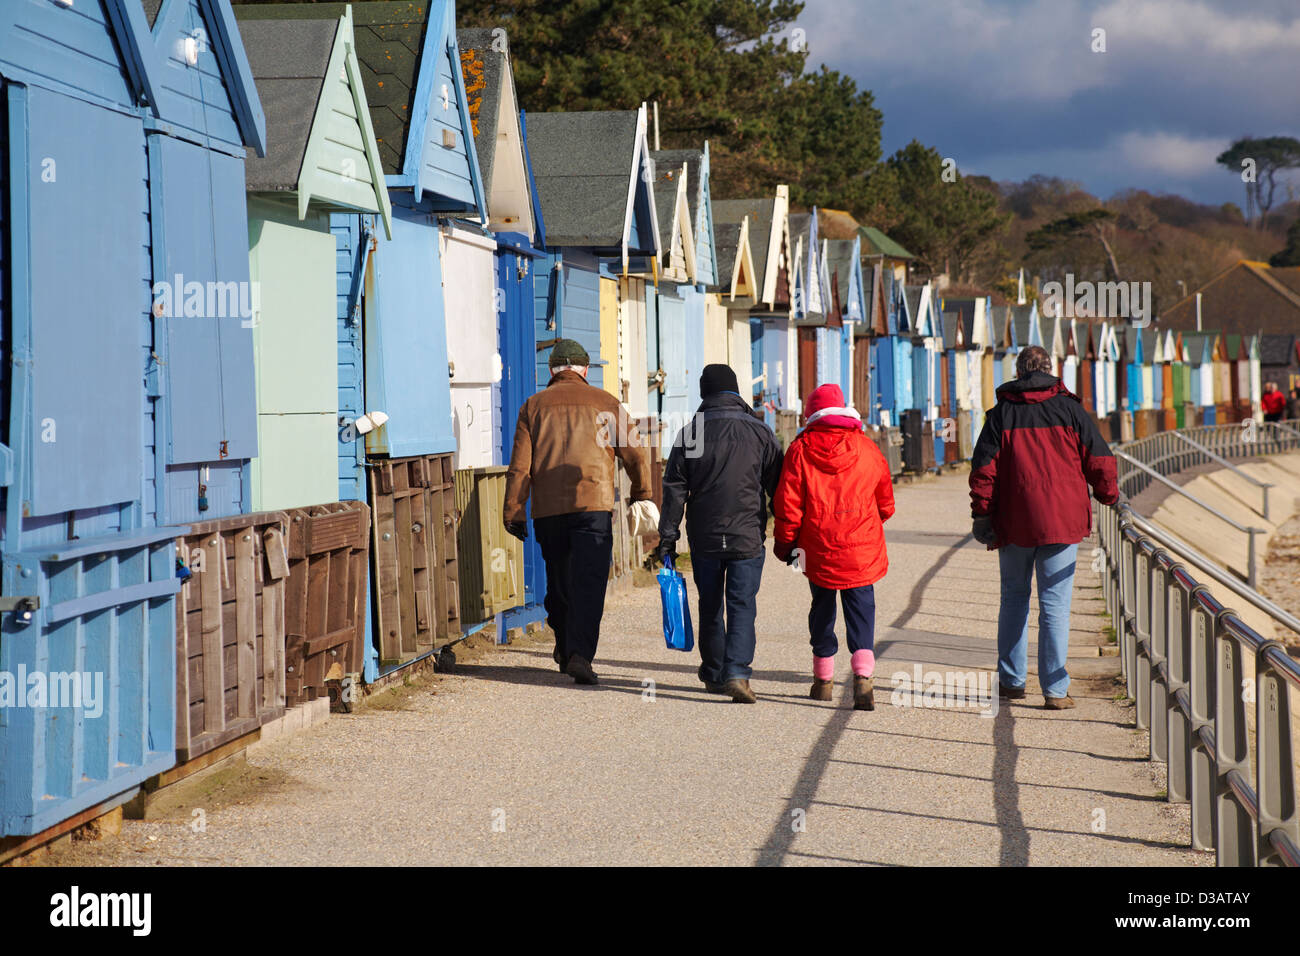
x=1012, y=87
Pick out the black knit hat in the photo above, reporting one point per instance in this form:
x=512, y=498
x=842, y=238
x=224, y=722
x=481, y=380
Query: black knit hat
x=568, y=352
x=718, y=378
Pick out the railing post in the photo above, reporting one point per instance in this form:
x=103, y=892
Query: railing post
x=1180, y=725
x=1250, y=557
x=1159, y=660
x=1142, y=637
x=1201, y=696
x=1122, y=627
x=1235, y=835
x=1275, y=784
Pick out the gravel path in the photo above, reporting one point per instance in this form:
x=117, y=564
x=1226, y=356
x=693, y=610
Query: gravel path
x=508, y=762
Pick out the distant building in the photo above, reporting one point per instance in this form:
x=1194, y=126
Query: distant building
x=1246, y=298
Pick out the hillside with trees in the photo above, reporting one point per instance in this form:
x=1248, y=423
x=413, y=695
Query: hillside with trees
x=736, y=72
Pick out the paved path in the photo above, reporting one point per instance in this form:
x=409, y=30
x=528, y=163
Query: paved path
x=509, y=762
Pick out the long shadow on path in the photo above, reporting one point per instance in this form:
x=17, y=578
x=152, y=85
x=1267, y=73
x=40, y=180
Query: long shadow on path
x=781, y=839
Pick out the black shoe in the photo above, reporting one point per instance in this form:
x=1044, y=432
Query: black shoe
x=1010, y=693
x=560, y=662
x=580, y=670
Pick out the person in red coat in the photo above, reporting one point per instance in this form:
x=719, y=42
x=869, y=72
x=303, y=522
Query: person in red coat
x=1037, y=456
x=833, y=498
x=1274, y=403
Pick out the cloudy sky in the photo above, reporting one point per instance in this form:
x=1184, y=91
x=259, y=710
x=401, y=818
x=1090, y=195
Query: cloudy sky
x=1009, y=88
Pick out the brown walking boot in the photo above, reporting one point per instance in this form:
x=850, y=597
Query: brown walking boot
x=863, y=693
x=1058, y=703
x=713, y=688
x=740, y=692
x=821, y=689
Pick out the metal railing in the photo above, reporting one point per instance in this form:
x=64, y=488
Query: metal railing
x=1170, y=452
x=1183, y=654
x=1155, y=458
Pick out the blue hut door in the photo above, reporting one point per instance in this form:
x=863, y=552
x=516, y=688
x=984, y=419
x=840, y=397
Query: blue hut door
x=204, y=331
x=519, y=381
x=86, y=328
x=675, y=405
x=693, y=340
x=758, y=392
x=903, y=384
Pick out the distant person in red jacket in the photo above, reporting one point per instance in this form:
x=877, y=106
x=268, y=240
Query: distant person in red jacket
x=1034, y=462
x=1274, y=403
x=834, y=495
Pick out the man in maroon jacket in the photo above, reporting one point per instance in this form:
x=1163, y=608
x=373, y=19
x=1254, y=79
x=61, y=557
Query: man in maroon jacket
x=1037, y=456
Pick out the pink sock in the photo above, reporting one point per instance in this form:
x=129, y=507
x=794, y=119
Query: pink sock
x=864, y=663
x=823, y=668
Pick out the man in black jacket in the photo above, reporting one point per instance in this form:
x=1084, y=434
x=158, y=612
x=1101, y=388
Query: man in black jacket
x=723, y=471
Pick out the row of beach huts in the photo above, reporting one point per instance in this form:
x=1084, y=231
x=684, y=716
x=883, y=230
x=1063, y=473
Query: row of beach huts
x=276, y=281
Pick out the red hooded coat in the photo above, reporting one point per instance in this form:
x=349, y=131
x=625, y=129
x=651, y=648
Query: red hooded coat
x=832, y=501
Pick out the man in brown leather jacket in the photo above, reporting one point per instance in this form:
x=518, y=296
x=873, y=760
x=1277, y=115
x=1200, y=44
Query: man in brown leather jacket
x=565, y=444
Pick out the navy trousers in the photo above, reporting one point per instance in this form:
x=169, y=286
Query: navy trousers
x=577, y=549
x=859, y=619
x=727, y=642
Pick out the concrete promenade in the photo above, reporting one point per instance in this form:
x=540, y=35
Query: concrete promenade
x=508, y=762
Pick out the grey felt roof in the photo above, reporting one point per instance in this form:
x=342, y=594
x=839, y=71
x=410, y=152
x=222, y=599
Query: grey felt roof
x=288, y=59
x=728, y=212
x=800, y=226
x=951, y=321
x=1021, y=315
x=582, y=163
x=667, y=180
x=1194, y=343
x=966, y=309
x=913, y=295
x=483, y=66
x=1275, y=349
x=694, y=160
x=389, y=40
x=839, y=260
x=1131, y=336
x=727, y=243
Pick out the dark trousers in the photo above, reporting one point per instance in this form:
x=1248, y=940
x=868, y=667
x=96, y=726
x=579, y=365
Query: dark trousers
x=577, y=549
x=727, y=642
x=859, y=619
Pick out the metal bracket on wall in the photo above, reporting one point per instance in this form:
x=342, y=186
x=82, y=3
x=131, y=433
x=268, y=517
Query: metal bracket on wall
x=23, y=606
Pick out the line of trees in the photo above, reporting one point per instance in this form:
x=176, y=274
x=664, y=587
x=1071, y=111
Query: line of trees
x=734, y=72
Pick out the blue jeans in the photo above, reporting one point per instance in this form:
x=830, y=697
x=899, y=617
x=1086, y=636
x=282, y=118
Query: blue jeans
x=727, y=646
x=1054, y=564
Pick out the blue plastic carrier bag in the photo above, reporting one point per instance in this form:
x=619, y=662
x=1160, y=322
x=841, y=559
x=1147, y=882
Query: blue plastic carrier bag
x=678, y=634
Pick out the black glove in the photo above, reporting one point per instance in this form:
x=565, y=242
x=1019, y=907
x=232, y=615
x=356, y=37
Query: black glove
x=664, y=550
x=982, y=529
x=518, y=528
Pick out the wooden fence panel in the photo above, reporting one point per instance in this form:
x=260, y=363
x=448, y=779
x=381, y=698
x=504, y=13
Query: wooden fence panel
x=416, y=579
x=230, y=630
x=491, y=560
x=325, y=600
